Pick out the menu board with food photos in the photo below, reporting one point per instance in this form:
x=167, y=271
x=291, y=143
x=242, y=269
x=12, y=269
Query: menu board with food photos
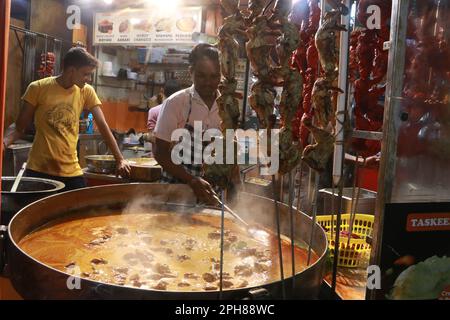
x=144, y=26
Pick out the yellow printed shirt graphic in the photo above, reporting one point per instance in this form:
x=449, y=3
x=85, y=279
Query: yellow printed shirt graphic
x=56, y=118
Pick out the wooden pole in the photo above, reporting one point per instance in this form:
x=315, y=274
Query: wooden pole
x=5, y=9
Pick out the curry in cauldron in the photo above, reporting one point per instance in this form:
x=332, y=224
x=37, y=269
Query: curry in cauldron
x=162, y=251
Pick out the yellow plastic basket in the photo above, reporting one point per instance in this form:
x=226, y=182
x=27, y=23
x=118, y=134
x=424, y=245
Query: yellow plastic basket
x=357, y=253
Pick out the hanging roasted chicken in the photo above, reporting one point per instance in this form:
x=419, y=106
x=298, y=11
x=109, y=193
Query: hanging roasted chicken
x=262, y=40
x=234, y=26
x=261, y=100
x=322, y=104
x=316, y=155
x=272, y=38
x=326, y=43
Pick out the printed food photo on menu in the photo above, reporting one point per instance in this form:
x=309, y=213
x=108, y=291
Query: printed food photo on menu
x=124, y=26
x=143, y=25
x=105, y=26
x=186, y=24
x=164, y=25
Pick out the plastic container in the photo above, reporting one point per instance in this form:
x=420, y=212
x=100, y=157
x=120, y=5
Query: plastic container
x=90, y=124
x=107, y=69
x=357, y=253
x=143, y=55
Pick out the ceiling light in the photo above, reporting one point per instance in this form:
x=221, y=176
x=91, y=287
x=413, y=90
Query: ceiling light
x=134, y=21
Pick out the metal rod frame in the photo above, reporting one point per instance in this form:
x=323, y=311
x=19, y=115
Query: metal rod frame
x=392, y=106
x=222, y=231
x=280, y=252
x=292, y=222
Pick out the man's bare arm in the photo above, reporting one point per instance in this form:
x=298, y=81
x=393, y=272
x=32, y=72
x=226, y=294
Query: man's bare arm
x=201, y=187
x=162, y=152
x=122, y=166
x=24, y=119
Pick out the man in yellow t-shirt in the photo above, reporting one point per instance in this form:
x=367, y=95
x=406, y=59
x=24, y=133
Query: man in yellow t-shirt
x=56, y=104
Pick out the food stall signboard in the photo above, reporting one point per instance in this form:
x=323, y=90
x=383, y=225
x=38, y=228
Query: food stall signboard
x=145, y=26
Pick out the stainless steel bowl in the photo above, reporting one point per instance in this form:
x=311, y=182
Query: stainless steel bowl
x=101, y=163
x=144, y=169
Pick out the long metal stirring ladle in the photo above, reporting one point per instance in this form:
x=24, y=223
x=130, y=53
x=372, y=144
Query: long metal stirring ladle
x=18, y=178
x=234, y=214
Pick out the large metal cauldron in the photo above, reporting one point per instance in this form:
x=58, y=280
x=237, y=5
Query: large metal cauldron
x=29, y=190
x=35, y=280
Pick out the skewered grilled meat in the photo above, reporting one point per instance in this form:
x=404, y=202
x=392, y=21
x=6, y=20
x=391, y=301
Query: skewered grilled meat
x=255, y=7
x=230, y=6
x=290, y=154
x=228, y=111
x=216, y=173
x=228, y=48
x=291, y=96
x=321, y=96
x=288, y=41
x=316, y=155
x=261, y=100
x=262, y=41
x=326, y=43
x=232, y=26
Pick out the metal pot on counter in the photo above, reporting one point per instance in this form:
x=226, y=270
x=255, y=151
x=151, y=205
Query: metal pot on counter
x=28, y=191
x=134, y=152
x=36, y=280
x=142, y=169
x=105, y=164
